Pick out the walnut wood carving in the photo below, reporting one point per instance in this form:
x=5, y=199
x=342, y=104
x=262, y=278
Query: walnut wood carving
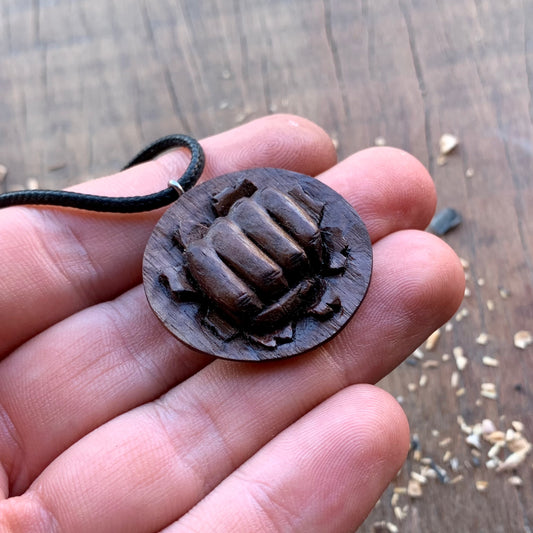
x=259, y=264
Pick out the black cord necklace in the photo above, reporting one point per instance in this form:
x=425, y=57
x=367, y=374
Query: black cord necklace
x=254, y=265
x=133, y=204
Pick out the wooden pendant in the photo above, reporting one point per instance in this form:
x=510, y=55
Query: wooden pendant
x=258, y=264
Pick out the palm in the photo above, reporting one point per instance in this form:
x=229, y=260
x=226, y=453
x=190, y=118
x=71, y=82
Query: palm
x=108, y=423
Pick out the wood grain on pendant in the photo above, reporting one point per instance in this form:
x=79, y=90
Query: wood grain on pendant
x=258, y=264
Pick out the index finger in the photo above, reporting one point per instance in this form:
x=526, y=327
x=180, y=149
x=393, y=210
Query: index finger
x=76, y=259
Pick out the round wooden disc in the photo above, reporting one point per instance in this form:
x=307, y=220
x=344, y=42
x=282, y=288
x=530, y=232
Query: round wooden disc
x=256, y=265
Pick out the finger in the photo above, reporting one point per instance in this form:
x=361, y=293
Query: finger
x=390, y=189
x=76, y=381
x=170, y=453
x=323, y=473
x=77, y=259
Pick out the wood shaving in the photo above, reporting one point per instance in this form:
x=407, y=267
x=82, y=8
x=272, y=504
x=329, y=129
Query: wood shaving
x=418, y=477
x=495, y=436
x=481, y=486
x=430, y=363
x=445, y=442
x=3, y=173
x=447, y=456
x=394, y=499
x=460, y=392
x=491, y=395
x=487, y=427
x=460, y=360
x=399, y=513
x=414, y=489
x=380, y=141
x=491, y=464
x=400, y=490
x=384, y=527
x=447, y=143
x=517, y=426
x=448, y=327
x=468, y=292
x=445, y=357
x=418, y=353
x=441, y=160
x=469, y=172
x=490, y=361
x=490, y=305
x=522, y=339
x=474, y=440
x=457, y=479
x=482, y=339
x=495, y=450
x=481, y=282
x=464, y=263
x=463, y=313
x=515, y=481
x=512, y=461
x=432, y=340
x=411, y=387
x=504, y=293
x=423, y=381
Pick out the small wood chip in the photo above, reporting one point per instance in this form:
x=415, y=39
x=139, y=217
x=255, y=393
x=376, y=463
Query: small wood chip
x=473, y=440
x=522, y=339
x=414, y=489
x=444, y=442
x=487, y=426
x=464, y=262
x=481, y=282
x=457, y=479
x=460, y=392
x=517, y=426
x=399, y=513
x=490, y=361
x=400, y=490
x=468, y=292
x=515, y=481
x=511, y=462
x=481, y=486
x=394, y=499
x=448, y=327
x=423, y=381
x=491, y=395
x=504, y=293
x=447, y=143
x=445, y=357
x=3, y=173
x=482, y=339
x=460, y=360
x=430, y=363
x=380, y=141
x=454, y=380
x=411, y=387
x=432, y=340
x=418, y=353
x=447, y=456
x=495, y=436
x=418, y=477
x=469, y=172
x=490, y=305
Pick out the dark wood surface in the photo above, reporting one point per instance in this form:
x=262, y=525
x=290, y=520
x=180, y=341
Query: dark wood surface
x=85, y=84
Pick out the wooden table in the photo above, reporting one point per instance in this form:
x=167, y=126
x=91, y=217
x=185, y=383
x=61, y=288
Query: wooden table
x=84, y=84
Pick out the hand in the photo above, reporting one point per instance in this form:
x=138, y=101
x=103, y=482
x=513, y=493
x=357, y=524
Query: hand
x=108, y=423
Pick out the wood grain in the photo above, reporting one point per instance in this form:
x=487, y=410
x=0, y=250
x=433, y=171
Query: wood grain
x=85, y=84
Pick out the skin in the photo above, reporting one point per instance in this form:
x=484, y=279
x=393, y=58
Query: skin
x=108, y=423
